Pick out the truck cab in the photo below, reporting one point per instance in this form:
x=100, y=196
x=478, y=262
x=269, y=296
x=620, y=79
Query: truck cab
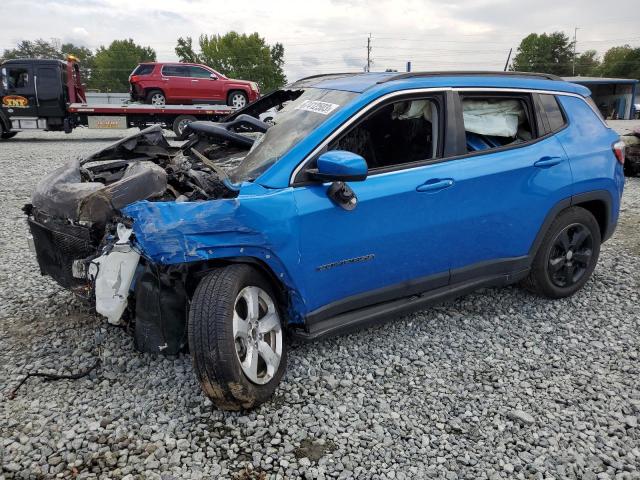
x=34, y=94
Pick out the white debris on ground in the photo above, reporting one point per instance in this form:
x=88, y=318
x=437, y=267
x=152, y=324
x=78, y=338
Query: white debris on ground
x=498, y=384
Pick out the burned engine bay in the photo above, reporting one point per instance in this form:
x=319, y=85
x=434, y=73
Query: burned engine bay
x=82, y=238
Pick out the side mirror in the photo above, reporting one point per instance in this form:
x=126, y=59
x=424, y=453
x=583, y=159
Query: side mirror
x=213, y=77
x=340, y=166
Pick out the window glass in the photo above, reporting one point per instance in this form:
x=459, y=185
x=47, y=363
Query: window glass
x=18, y=79
x=298, y=119
x=396, y=134
x=199, y=72
x=48, y=80
x=554, y=113
x=175, y=71
x=144, y=70
x=492, y=122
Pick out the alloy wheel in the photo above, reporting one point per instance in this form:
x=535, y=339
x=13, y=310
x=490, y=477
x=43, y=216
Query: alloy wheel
x=238, y=100
x=570, y=256
x=158, y=99
x=257, y=334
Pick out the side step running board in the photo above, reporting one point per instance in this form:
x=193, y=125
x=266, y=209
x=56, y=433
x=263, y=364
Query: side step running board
x=382, y=312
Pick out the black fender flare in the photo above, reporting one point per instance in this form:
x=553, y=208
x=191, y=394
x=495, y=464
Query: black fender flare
x=577, y=199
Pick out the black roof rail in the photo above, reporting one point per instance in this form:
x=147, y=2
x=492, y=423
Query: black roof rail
x=401, y=76
x=327, y=75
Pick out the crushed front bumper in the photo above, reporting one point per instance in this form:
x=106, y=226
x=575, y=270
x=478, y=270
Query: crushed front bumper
x=57, y=247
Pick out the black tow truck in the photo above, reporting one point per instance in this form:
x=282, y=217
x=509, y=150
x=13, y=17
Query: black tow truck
x=49, y=95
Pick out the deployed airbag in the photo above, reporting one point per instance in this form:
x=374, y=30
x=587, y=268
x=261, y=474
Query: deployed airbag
x=490, y=117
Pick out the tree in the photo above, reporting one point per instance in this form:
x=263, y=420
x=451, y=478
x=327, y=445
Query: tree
x=49, y=50
x=114, y=64
x=242, y=56
x=547, y=53
x=32, y=49
x=185, y=52
x=621, y=62
x=587, y=64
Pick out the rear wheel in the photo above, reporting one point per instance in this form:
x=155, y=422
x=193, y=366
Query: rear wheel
x=156, y=97
x=180, y=123
x=236, y=337
x=567, y=256
x=237, y=99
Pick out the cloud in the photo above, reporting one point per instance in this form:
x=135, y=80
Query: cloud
x=332, y=36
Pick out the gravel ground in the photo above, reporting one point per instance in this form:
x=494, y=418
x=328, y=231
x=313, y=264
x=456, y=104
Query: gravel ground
x=498, y=384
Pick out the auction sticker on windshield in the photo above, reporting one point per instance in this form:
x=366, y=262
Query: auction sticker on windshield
x=316, y=106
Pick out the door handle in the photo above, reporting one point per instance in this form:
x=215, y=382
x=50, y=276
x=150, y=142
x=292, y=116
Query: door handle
x=194, y=80
x=435, y=185
x=547, y=162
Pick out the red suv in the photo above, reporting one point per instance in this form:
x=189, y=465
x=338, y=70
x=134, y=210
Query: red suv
x=180, y=83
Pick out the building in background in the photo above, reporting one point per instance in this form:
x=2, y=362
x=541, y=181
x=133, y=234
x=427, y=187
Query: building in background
x=615, y=97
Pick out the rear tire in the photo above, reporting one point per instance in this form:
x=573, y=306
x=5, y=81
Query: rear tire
x=237, y=99
x=224, y=331
x=567, y=256
x=156, y=97
x=180, y=122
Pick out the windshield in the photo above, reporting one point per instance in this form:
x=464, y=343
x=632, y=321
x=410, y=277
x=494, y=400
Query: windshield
x=290, y=125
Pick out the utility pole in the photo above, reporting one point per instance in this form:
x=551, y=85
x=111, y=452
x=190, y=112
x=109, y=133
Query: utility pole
x=575, y=36
x=508, y=58
x=369, y=53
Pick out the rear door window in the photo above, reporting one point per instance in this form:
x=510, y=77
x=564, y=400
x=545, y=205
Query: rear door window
x=496, y=121
x=553, y=111
x=175, y=71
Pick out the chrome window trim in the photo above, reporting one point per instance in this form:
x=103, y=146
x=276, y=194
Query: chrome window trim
x=398, y=93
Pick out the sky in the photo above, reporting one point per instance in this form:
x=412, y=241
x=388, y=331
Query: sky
x=331, y=35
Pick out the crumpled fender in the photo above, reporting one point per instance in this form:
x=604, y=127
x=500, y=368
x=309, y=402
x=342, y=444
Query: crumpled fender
x=172, y=233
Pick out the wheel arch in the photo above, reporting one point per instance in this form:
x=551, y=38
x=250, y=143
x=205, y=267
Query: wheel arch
x=597, y=202
x=238, y=88
x=148, y=90
x=286, y=293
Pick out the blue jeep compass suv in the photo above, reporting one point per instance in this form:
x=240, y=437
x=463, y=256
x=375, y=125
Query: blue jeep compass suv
x=368, y=196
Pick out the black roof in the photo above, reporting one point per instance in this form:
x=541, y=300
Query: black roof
x=38, y=61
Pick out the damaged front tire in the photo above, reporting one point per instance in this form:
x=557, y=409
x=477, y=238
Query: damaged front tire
x=236, y=337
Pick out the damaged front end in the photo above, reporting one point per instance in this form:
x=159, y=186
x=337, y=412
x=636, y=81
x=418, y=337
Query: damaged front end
x=84, y=242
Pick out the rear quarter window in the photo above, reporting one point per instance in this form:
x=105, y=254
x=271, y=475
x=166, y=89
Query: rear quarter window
x=553, y=111
x=143, y=70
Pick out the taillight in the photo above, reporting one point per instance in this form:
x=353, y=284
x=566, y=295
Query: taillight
x=133, y=79
x=618, y=150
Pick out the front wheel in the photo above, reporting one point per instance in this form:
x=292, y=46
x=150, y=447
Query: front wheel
x=7, y=135
x=237, y=99
x=567, y=256
x=236, y=337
